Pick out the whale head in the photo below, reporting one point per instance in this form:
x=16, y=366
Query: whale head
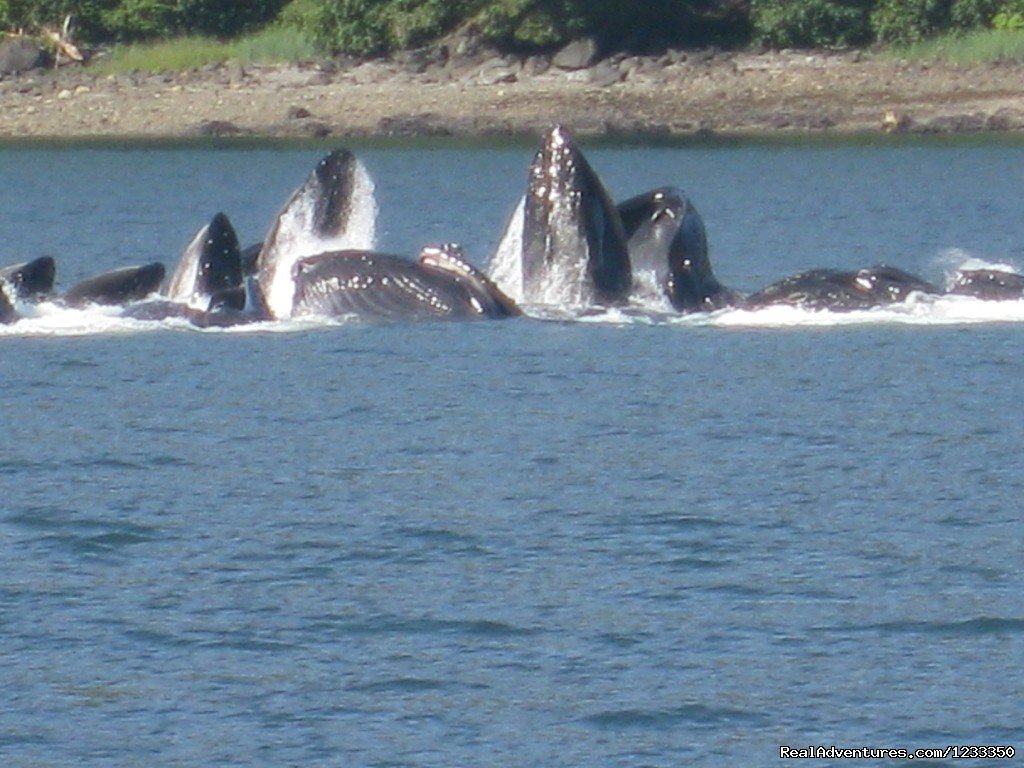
x=573, y=243
x=333, y=210
x=211, y=265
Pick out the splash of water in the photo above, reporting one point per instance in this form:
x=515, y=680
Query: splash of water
x=506, y=267
x=565, y=282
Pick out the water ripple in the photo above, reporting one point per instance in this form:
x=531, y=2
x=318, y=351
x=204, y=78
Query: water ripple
x=982, y=625
x=425, y=626
x=399, y=685
x=663, y=719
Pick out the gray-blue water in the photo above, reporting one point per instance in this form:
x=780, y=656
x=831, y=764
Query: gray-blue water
x=519, y=543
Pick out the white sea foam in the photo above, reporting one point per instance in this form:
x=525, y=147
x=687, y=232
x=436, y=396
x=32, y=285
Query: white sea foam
x=646, y=309
x=506, y=268
x=53, y=320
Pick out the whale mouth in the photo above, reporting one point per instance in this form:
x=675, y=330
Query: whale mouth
x=448, y=257
x=334, y=210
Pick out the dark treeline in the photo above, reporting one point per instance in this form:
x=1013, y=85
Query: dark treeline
x=366, y=27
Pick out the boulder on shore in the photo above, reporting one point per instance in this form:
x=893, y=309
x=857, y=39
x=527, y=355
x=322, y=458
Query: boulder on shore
x=579, y=54
x=22, y=54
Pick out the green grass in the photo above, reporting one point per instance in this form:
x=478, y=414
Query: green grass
x=971, y=48
x=272, y=45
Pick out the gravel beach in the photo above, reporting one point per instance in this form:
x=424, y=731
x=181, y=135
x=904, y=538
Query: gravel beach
x=676, y=94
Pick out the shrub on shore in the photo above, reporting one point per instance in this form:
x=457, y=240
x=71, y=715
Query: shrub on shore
x=372, y=27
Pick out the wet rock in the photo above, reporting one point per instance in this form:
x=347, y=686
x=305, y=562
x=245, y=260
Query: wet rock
x=438, y=73
x=288, y=77
x=534, y=66
x=370, y=73
x=217, y=128
x=604, y=74
x=21, y=54
x=955, y=124
x=427, y=124
x=1005, y=119
x=631, y=66
x=673, y=57
x=419, y=60
x=497, y=71
x=703, y=56
x=414, y=62
x=579, y=54
x=316, y=129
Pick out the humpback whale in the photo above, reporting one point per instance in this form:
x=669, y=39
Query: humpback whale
x=441, y=284
x=841, y=291
x=667, y=239
x=988, y=284
x=118, y=286
x=31, y=280
x=206, y=287
x=210, y=269
x=667, y=236
x=566, y=243
x=333, y=210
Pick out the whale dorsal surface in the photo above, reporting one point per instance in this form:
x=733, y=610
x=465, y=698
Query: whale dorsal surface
x=333, y=210
x=988, y=284
x=119, y=286
x=842, y=290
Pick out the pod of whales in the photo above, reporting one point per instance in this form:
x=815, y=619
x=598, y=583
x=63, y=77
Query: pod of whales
x=567, y=243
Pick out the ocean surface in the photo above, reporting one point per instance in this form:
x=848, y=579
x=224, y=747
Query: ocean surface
x=616, y=539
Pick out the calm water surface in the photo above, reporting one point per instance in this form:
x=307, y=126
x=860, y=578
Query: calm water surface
x=610, y=543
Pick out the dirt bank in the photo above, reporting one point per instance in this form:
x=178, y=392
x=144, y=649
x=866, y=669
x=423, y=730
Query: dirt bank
x=677, y=94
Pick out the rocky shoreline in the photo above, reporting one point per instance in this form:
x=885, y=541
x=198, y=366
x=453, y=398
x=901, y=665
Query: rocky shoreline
x=438, y=92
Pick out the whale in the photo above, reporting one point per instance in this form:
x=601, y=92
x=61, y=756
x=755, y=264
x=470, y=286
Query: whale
x=988, y=284
x=439, y=285
x=842, y=290
x=206, y=287
x=31, y=280
x=210, y=269
x=667, y=239
x=116, y=287
x=333, y=210
x=565, y=244
x=27, y=281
